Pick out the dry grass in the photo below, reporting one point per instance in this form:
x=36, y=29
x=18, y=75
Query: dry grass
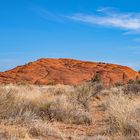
x=29, y=112
x=61, y=109
x=124, y=114
x=85, y=93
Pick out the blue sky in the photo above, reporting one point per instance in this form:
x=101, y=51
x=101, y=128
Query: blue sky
x=95, y=30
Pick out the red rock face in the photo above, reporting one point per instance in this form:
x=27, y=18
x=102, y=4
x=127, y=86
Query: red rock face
x=67, y=71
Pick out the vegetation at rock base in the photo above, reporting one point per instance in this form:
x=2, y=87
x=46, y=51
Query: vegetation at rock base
x=82, y=112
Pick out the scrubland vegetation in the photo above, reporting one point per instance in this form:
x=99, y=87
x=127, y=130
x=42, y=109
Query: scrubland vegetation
x=84, y=112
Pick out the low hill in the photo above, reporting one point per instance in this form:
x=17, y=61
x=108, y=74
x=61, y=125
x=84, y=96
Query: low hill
x=67, y=71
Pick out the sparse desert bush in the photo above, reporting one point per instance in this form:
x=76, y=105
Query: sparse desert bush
x=124, y=115
x=96, y=78
x=13, y=105
x=40, y=128
x=61, y=109
x=133, y=89
x=35, y=129
x=84, y=94
x=64, y=106
x=13, y=132
x=118, y=84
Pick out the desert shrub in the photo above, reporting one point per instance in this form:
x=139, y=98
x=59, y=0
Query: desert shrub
x=119, y=84
x=61, y=109
x=59, y=91
x=14, y=105
x=123, y=115
x=35, y=129
x=96, y=78
x=22, y=83
x=22, y=111
x=40, y=128
x=136, y=81
x=102, y=63
x=12, y=132
x=56, y=90
x=131, y=81
x=84, y=93
x=132, y=89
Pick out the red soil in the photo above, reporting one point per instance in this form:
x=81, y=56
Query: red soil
x=67, y=71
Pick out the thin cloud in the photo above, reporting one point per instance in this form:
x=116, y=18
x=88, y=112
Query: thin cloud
x=47, y=15
x=106, y=17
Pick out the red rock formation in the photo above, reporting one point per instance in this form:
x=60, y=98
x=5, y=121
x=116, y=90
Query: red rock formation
x=67, y=71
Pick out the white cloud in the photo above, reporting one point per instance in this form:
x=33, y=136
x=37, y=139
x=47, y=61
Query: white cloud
x=110, y=18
